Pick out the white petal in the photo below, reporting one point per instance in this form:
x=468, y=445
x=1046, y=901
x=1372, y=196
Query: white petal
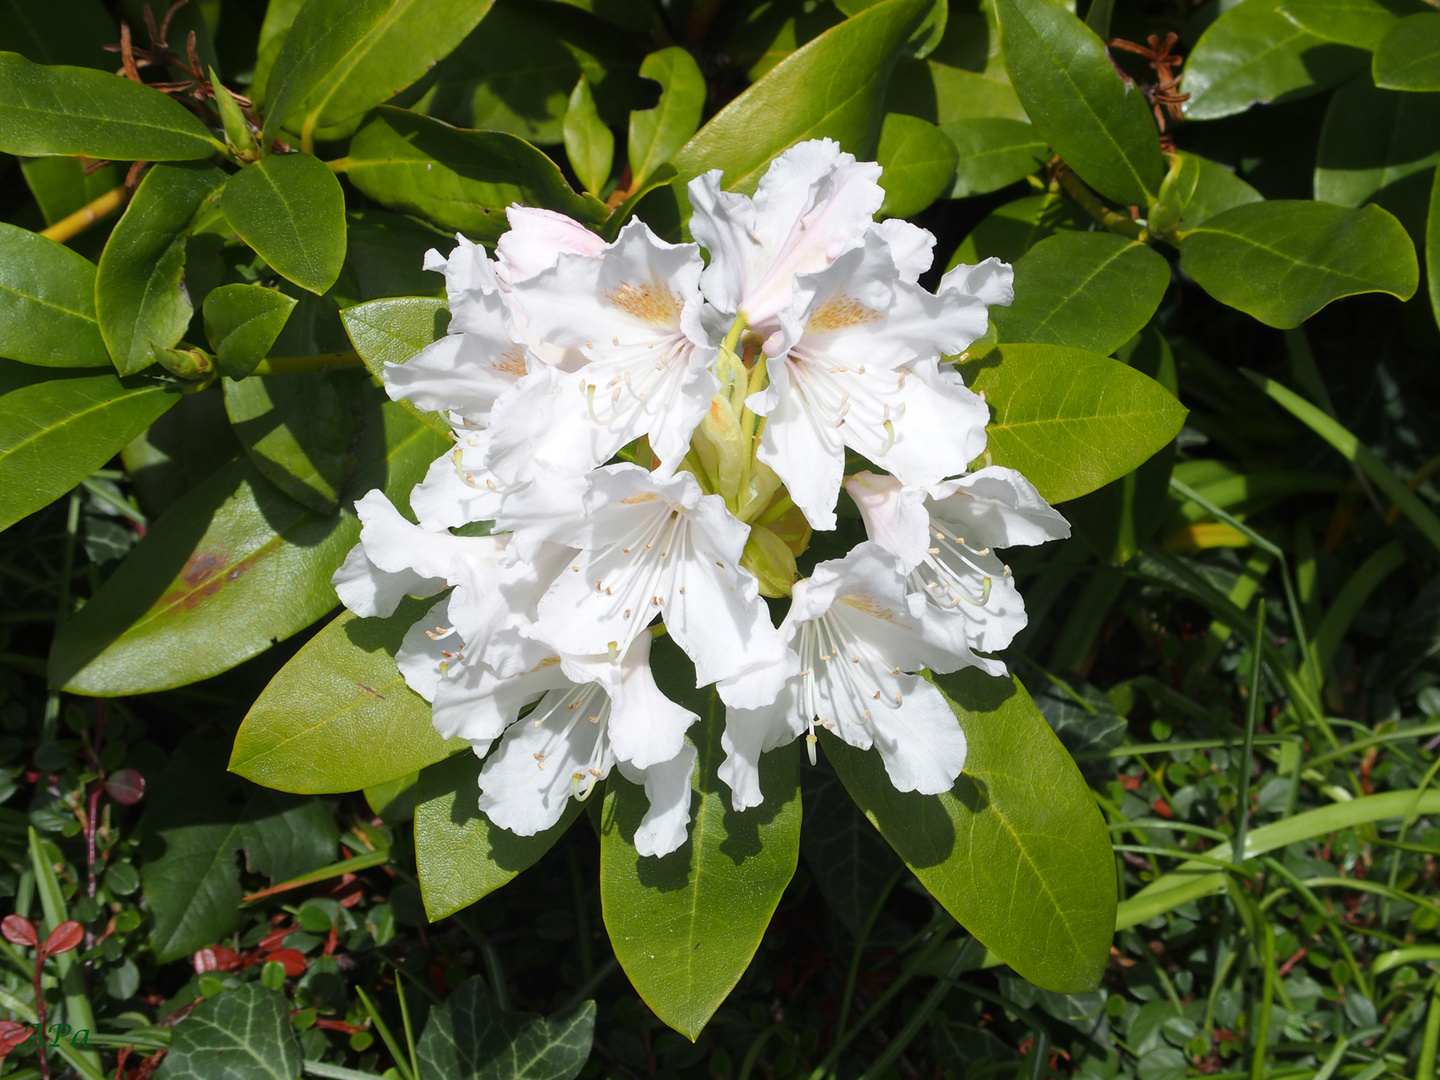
x=724, y=224
x=802, y=443
x=421, y=656
x=369, y=591
x=536, y=237
x=540, y=510
x=646, y=727
x=456, y=489
x=912, y=247
x=920, y=742
x=992, y=282
x=997, y=507
x=939, y=426
x=748, y=734
x=667, y=786
x=894, y=515
x=477, y=705
x=462, y=373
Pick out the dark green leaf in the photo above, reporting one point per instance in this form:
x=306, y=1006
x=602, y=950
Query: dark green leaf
x=919, y=162
x=339, y=716
x=1013, y=229
x=1088, y=290
x=199, y=816
x=138, y=297
x=1432, y=246
x=1017, y=850
x=393, y=331
x=301, y=430
x=994, y=153
x=458, y=179
x=180, y=449
x=1101, y=127
x=927, y=35
x=589, y=144
x=1069, y=420
x=57, y=427
x=241, y=323
x=1283, y=261
x=385, y=256
x=241, y=1034
x=340, y=57
x=848, y=859
x=47, y=303
x=1252, y=53
x=684, y=926
x=61, y=186
x=78, y=110
x=1195, y=190
x=657, y=134
x=460, y=855
x=1361, y=23
x=1084, y=720
x=279, y=18
x=60, y=32
x=290, y=209
x=832, y=87
x=1408, y=57
x=230, y=569
x=963, y=79
x=471, y=1038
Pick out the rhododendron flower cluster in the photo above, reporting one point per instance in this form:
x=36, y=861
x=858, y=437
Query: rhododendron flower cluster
x=651, y=432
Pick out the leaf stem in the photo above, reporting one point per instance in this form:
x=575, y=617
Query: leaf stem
x=1091, y=204
x=295, y=365
x=87, y=215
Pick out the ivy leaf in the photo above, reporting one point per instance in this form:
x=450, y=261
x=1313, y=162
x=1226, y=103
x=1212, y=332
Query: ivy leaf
x=1078, y=103
x=1017, y=850
x=470, y=1038
x=241, y=323
x=1408, y=56
x=919, y=162
x=47, y=316
x=1071, y=421
x=1284, y=260
x=657, y=134
x=241, y=1034
x=291, y=210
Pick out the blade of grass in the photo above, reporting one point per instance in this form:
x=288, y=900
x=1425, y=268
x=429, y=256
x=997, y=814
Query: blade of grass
x=1247, y=756
x=401, y=1066
x=78, y=1013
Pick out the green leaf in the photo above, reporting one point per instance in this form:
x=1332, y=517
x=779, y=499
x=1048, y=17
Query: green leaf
x=919, y=162
x=459, y=854
x=589, y=144
x=230, y=569
x=657, y=134
x=241, y=323
x=198, y=817
x=179, y=450
x=685, y=926
x=339, y=716
x=927, y=35
x=61, y=185
x=394, y=331
x=1197, y=189
x=1013, y=229
x=457, y=179
x=833, y=87
x=1408, y=57
x=279, y=18
x=994, y=153
x=241, y=1034
x=1071, y=421
x=57, y=427
x=1252, y=53
x=47, y=316
x=139, y=301
x=78, y=110
x=1101, y=127
x=1017, y=850
x=385, y=256
x=290, y=209
x=1379, y=146
x=1361, y=23
x=849, y=861
x=341, y=57
x=1089, y=290
x=301, y=430
x=1432, y=246
x=1282, y=261
x=963, y=79
x=63, y=32
x=470, y=1038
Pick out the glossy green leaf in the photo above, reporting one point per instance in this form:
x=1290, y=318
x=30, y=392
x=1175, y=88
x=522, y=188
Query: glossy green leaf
x=179, y=450
x=1379, y=146
x=1283, y=261
x=241, y=323
x=57, y=427
x=199, y=817
x=47, y=303
x=290, y=209
x=1195, y=190
x=918, y=161
x=301, y=430
x=78, y=110
x=242, y=1034
x=231, y=568
x=457, y=179
x=963, y=79
x=1071, y=421
x=61, y=185
x=833, y=87
x=1017, y=850
x=657, y=134
x=393, y=331
x=1361, y=23
x=339, y=716
x=1252, y=53
x=385, y=257
x=1408, y=57
x=470, y=1037
x=927, y=35
x=685, y=926
x=459, y=854
x=1013, y=229
x=1075, y=99
x=139, y=301
x=1088, y=290
x=1432, y=246
x=60, y=32
x=341, y=57
x=279, y=18
x=994, y=153
x=589, y=144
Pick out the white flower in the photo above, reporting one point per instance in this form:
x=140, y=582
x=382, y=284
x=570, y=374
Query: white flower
x=813, y=203
x=650, y=547
x=943, y=537
x=856, y=363
x=858, y=639
x=536, y=238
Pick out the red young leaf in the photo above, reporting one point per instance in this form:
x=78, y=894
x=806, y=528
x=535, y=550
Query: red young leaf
x=64, y=938
x=19, y=930
x=127, y=787
x=292, y=959
x=12, y=1034
x=275, y=938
